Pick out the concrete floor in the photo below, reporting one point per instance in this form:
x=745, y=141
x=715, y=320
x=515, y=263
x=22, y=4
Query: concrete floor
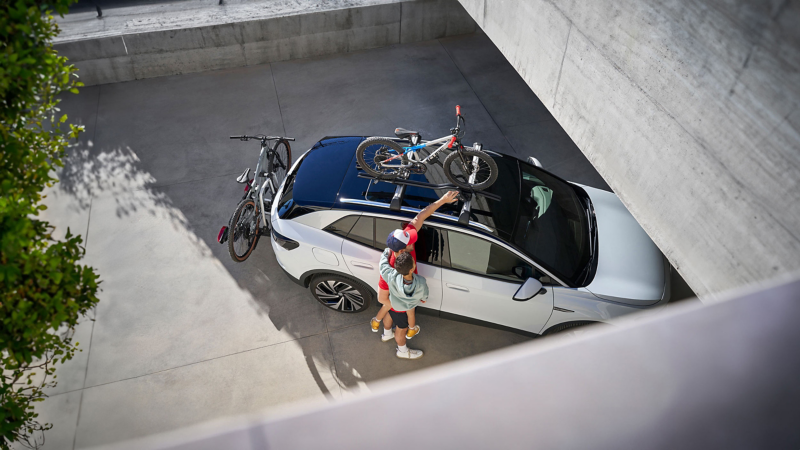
x=183, y=334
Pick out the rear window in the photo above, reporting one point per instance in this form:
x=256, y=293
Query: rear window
x=342, y=226
x=363, y=231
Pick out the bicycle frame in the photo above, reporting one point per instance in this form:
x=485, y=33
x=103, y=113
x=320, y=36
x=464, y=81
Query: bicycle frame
x=451, y=141
x=261, y=183
x=445, y=141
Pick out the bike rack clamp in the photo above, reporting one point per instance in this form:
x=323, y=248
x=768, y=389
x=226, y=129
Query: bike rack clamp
x=466, y=208
x=397, y=199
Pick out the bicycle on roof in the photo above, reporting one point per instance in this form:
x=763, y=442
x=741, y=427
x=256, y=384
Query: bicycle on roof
x=466, y=167
x=249, y=220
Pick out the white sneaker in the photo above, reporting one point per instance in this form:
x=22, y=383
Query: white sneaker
x=410, y=354
x=387, y=337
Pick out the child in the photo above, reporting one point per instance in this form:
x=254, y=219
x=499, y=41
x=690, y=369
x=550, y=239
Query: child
x=406, y=291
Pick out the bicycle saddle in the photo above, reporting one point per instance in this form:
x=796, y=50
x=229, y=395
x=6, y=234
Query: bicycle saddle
x=402, y=133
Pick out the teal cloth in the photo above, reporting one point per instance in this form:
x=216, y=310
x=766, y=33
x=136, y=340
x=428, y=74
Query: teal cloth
x=542, y=195
x=403, y=296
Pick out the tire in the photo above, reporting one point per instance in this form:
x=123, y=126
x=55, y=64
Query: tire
x=340, y=293
x=237, y=229
x=284, y=154
x=278, y=166
x=454, y=169
x=367, y=152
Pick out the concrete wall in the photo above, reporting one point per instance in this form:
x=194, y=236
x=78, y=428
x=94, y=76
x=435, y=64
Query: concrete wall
x=116, y=51
x=687, y=108
x=661, y=382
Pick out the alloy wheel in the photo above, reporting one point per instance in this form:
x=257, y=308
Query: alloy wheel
x=339, y=295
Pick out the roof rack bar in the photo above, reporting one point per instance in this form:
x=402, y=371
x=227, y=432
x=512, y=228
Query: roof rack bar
x=400, y=192
x=423, y=184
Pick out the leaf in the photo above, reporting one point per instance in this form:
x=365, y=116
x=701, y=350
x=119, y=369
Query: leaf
x=45, y=287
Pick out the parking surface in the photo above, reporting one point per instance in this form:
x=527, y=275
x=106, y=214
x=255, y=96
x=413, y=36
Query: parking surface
x=183, y=334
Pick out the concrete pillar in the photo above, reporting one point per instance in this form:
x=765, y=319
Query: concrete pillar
x=687, y=108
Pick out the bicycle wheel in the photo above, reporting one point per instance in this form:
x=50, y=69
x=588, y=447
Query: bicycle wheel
x=378, y=157
x=470, y=169
x=282, y=161
x=243, y=230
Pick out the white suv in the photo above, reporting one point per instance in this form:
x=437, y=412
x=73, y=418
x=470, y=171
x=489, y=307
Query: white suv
x=549, y=255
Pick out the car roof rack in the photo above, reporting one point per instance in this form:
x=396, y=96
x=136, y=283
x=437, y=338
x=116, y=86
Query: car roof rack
x=402, y=184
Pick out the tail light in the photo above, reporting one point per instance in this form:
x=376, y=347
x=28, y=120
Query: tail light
x=283, y=241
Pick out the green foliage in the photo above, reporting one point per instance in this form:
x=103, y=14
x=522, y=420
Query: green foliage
x=44, y=291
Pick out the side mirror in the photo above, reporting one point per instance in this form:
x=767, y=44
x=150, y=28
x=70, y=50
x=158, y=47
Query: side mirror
x=531, y=288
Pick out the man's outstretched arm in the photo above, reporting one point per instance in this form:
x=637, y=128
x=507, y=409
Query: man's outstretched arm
x=449, y=197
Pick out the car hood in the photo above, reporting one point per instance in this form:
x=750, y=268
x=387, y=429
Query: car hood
x=630, y=268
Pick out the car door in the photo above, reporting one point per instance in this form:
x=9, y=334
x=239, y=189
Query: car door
x=366, y=240
x=357, y=248
x=479, y=281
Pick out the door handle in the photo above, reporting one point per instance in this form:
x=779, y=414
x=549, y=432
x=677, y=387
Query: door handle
x=361, y=264
x=458, y=288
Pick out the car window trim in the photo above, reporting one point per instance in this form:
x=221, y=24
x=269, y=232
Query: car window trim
x=359, y=214
x=415, y=211
x=491, y=239
x=483, y=275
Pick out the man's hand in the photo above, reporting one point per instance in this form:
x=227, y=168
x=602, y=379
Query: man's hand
x=449, y=197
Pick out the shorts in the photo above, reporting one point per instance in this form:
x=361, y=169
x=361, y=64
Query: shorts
x=400, y=319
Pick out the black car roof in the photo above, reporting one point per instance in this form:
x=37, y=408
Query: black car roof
x=328, y=177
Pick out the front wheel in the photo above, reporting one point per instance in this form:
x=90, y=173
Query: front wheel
x=381, y=157
x=243, y=230
x=470, y=169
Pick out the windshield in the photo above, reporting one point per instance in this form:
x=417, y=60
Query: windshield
x=552, y=226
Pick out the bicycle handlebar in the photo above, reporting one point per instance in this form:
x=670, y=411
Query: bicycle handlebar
x=458, y=110
x=262, y=138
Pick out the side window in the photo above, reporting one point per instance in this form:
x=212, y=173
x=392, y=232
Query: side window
x=481, y=257
x=382, y=229
x=342, y=226
x=363, y=231
x=428, y=246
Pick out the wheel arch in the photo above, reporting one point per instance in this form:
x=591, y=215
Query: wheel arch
x=305, y=279
x=566, y=325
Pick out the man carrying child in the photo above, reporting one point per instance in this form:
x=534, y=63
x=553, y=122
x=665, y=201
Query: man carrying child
x=402, y=242
x=406, y=291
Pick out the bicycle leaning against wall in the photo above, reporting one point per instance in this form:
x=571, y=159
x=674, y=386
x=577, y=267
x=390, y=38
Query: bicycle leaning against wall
x=250, y=218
